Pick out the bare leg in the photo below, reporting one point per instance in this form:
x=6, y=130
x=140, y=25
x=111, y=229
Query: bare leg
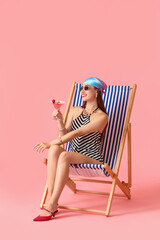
x=53, y=155
x=61, y=178
x=62, y=172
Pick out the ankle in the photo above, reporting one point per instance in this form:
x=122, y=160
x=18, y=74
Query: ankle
x=52, y=203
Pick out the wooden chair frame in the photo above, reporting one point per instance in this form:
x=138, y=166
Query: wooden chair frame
x=125, y=187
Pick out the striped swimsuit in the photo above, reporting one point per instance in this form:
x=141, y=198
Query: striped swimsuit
x=88, y=144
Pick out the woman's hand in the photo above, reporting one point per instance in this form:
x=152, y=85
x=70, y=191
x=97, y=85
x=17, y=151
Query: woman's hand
x=40, y=147
x=57, y=115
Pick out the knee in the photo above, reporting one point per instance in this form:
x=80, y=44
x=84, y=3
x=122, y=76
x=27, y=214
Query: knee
x=53, y=149
x=63, y=158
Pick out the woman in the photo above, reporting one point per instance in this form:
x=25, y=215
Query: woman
x=84, y=127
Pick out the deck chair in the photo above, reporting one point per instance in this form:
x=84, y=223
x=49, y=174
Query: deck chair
x=118, y=101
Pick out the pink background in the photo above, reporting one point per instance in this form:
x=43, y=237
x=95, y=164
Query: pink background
x=44, y=46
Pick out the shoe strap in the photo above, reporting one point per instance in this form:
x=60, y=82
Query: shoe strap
x=49, y=211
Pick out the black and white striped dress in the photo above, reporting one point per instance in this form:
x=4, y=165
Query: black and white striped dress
x=88, y=144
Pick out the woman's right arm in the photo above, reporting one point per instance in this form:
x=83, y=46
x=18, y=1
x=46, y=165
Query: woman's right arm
x=64, y=128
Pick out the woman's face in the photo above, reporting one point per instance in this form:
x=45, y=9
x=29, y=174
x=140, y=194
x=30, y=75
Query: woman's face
x=88, y=92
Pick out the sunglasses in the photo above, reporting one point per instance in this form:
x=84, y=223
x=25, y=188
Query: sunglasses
x=85, y=88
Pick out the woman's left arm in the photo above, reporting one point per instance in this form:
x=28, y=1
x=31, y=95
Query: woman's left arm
x=96, y=124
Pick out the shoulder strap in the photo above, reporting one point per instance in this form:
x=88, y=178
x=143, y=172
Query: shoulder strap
x=93, y=111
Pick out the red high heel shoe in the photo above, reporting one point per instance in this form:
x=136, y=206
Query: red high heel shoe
x=45, y=218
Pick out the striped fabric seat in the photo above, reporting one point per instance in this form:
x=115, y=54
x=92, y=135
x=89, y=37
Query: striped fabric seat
x=115, y=101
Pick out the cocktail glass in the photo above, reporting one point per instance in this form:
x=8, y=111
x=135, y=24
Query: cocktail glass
x=57, y=103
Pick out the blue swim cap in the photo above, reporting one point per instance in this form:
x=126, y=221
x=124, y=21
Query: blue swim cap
x=96, y=82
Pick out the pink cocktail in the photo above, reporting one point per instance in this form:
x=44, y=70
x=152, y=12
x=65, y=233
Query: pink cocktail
x=57, y=103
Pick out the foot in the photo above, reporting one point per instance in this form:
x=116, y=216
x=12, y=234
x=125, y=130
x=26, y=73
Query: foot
x=50, y=207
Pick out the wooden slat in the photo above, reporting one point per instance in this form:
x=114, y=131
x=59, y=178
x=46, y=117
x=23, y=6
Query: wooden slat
x=129, y=156
x=44, y=195
x=100, y=193
x=71, y=185
x=91, y=180
x=124, y=188
x=111, y=196
x=69, y=102
x=81, y=209
x=109, y=170
x=125, y=129
x=118, y=182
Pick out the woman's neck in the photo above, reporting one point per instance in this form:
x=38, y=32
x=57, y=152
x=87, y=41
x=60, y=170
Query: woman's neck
x=90, y=107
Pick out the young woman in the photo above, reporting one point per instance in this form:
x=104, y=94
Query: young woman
x=84, y=128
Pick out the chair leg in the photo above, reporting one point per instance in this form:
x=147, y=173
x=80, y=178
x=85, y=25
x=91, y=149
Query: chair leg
x=110, y=197
x=44, y=196
x=129, y=156
x=71, y=184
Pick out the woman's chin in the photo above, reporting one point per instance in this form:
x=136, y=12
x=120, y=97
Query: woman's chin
x=84, y=99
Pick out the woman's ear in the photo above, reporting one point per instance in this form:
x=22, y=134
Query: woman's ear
x=97, y=93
